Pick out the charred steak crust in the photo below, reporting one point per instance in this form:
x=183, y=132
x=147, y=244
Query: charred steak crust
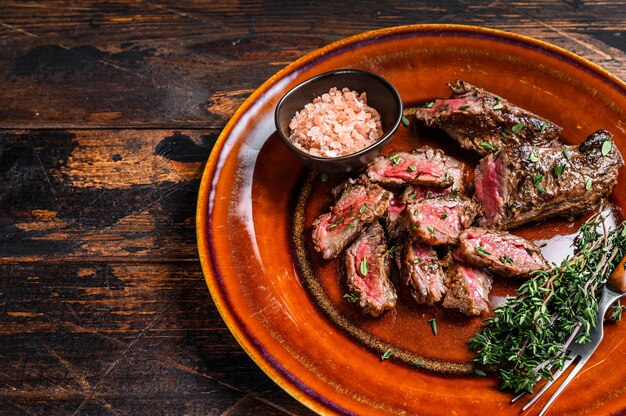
x=500, y=252
x=422, y=273
x=528, y=183
x=368, y=270
x=439, y=221
x=359, y=204
x=424, y=166
x=468, y=289
x=392, y=219
x=483, y=122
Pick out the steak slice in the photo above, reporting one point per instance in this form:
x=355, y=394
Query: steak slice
x=423, y=166
x=422, y=273
x=360, y=204
x=500, y=252
x=483, y=122
x=368, y=269
x=439, y=221
x=468, y=289
x=527, y=183
x=393, y=219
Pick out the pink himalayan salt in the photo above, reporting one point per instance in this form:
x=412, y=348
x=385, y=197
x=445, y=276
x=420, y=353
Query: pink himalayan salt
x=337, y=123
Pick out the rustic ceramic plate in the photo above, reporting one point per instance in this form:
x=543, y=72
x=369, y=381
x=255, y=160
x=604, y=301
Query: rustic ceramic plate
x=284, y=304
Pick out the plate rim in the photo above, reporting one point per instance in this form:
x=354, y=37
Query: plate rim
x=206, y=251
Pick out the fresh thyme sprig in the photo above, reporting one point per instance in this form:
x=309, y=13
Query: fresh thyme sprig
x=528, y=337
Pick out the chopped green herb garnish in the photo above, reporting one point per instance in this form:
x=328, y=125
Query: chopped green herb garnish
x=504, y=259
x=481, y=250
x=542, y=245
x=417, y=260
x=387, y=354
x=427, y=196
x=543, y=126
x=429, y=104
x=411, y=168
x=391, y=249
x=413, y=227
x=559, y=169
x=417, y=363
x=497, y=152
x=497, y=98
x=480, y=372
x=533, y=157
x=487, y=145
x=444, y=107
x=363, y=209
x=498, y=106
x=431, y=229
x=395, y=160
x=417, y=211
x=606, y=147
x=352, y=297
x=336, y=223
x=464, y=107
x=518, y=127
x=324, y=177
x=364, y=267
x=412, y=195
x=433, y=326
x=537, y=179
x=405, y=121
x=565, y=154
x=446, y=177
x=503, y=134
x=588, y=184
x=530, y=251
x=350, y=225
x=445, y=215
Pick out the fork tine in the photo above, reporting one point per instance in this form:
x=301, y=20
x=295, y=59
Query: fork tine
x=569, y=378
x=546, y=386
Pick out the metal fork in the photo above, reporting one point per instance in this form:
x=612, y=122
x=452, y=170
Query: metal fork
x=614, y=289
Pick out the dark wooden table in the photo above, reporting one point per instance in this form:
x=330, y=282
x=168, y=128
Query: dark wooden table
x=108, y=111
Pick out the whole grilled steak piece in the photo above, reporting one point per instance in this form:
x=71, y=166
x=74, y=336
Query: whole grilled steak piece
x=367, y=270
x=484, y=123
x=422, y=273
x=392, y=219
x=360, y=204
x=500, y=252
x=439, y=221
x=468, y=289
x=528, y=183
x=423, y=166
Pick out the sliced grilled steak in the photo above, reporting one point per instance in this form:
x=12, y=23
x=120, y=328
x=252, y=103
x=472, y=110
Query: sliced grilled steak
x=423, y=166
x=422, y=272
x=500, y=252
x=439, y=221
x=360, y=204
x=528, y=183
x=484, y=123
x=468, y=289
x=393, y=219
x=368, y=268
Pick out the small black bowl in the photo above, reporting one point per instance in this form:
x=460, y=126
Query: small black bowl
x=381, y=95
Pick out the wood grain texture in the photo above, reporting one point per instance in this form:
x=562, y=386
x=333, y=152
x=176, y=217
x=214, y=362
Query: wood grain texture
x=109, y=112
x=193, y=64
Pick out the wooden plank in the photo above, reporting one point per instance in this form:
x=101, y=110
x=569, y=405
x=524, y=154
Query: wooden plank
x=157, y=63
x=122, y=339
x=100, y=194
